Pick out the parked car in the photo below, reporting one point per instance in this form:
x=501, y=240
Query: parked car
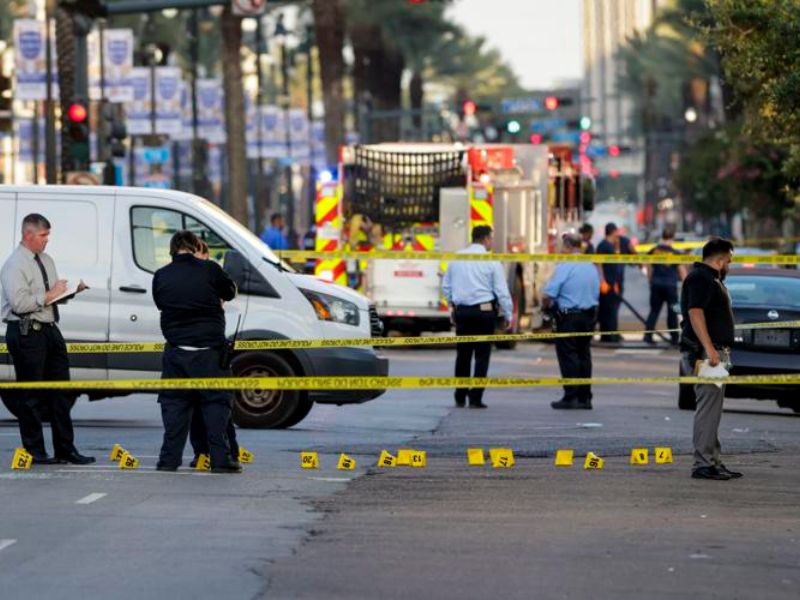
x=115, y=238
x=758, y=296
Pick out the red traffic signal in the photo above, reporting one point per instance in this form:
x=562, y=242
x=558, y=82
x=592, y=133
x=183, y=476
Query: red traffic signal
x=585, y=137
x=613, y=151
x=536, y=139
x=77, y=113
x=551, y=103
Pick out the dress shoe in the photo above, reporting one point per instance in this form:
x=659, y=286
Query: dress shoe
x=565, y=404
x=477, y=405
x=48, y=460
x=460, y=403
x=728, y=472
x=228, y=467
x=167, y=468
x=77, y=459
x=710, y=473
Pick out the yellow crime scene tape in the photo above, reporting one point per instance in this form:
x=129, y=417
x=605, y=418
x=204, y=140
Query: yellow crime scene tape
x=380, y=383
x=660, y=259
x=244, y=345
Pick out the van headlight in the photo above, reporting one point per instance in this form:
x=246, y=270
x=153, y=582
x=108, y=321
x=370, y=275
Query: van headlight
x=331, y=308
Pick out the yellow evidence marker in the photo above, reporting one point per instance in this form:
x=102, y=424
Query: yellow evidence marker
x=116, y=453
x=387, y=460
x=346, y=463
x=245, y=456
x=404, y=457
x=502, y=458
x=21, y=459
x=203, y=463
x=640, y=456
x=419, y=458
x=663, y=456
x=565, y=458
x=475, y=457
x=593, y=462
x=309, y=460
x=128, y=461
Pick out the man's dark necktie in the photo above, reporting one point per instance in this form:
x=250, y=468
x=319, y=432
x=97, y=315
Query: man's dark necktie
x=46, y=283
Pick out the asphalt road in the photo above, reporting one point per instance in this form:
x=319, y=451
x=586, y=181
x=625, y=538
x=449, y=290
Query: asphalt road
x=448, y=530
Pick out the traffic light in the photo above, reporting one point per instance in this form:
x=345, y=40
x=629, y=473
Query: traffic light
x=585, y=137
x=586, y=123
x=513, y=127
x=613, y=151
x=75, y=127
x=536, y=139
x=551, y=103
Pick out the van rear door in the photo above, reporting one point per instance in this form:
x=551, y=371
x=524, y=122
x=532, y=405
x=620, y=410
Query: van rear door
x=80, y=245
x=8, y=223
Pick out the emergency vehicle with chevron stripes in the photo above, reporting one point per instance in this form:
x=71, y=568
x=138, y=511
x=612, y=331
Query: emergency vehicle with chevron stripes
x=429, y=197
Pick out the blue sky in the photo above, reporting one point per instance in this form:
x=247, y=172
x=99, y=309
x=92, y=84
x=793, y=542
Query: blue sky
x=540, y=39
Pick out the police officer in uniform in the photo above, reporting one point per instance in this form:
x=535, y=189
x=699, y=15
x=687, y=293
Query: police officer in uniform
x=189, y=293
x=474, y=289
x=572, y=296
x=30, y=286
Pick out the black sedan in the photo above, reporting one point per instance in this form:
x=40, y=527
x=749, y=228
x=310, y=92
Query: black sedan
x=760, y=296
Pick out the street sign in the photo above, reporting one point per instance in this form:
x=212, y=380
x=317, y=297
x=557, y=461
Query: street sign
x=521, y=105
x=248, y=8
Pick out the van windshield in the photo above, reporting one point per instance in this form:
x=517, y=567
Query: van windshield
x=248, y=236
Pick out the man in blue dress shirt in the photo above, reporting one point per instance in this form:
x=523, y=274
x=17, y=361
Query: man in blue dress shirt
x=572, y=294
x=474, y=289
x=273, y=235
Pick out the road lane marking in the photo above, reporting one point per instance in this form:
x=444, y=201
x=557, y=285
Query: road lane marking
x=6, y=543
x=638, y=352
x=94, y=497
x=331, y=479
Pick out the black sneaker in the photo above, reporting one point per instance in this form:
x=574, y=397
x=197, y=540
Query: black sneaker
x=565, y=404
x=227, y=467
x=732, y=474
x=167, y=468
x=477, y=405
x=710, y=473
x=460, y=403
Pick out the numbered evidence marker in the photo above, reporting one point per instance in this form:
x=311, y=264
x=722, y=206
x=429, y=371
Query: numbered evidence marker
x=502, y=458
x=21, y=459
x=203, y=463
x=346, y=463
x=404, y=457
x=475, y=457
x=116, y=453
x=565, y=458
x=309, y=460
x=640, y=456
x=593, y=462
x=127, y=461
x=419, y=458
x=245, y=456
x=663, y=456
x=387, y=460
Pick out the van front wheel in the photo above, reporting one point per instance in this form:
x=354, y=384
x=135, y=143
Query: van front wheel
x=265, y=409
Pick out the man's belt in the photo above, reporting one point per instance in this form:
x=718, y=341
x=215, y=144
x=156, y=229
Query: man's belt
x=576, y=311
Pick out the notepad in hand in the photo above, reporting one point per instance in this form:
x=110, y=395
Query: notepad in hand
x=71, y=290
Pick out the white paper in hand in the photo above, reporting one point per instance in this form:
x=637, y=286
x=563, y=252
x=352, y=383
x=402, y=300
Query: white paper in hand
x=718, y=372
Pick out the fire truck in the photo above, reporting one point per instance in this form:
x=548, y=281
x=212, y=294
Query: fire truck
x=429, y=197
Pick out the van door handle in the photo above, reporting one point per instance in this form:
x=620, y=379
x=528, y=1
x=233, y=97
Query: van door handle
x=134, y=289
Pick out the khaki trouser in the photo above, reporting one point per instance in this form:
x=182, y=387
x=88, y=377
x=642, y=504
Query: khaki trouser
x=707, y=417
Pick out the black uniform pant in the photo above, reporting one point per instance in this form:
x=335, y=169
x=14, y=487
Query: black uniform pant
x=471, y=320
x=41, y=356
x=177, y=406
x=574, y=353
x=198, y=436
x=663, y=294
x=608, y=315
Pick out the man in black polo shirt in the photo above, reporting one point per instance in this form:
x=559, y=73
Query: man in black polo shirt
x=189, y=293
x=708, y=330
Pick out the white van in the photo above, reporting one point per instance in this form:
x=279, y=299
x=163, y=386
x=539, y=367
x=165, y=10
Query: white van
x=114, y=238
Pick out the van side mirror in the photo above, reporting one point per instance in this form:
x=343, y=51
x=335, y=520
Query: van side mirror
x=247, y=279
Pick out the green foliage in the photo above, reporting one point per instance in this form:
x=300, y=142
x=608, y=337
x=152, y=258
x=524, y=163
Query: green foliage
x=759, y=41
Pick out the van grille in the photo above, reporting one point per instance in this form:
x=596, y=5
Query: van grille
x=375, y=323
